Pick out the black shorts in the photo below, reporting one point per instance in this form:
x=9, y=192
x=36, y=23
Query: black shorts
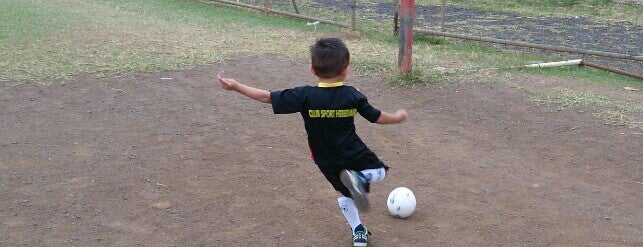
x=331, y=172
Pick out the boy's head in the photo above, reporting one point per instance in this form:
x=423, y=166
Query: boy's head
x=329, y=57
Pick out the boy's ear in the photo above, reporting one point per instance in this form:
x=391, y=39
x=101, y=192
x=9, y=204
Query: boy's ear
x=345, y=71
x=312, y=70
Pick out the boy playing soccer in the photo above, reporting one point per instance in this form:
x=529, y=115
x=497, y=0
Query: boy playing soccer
x=328, y=110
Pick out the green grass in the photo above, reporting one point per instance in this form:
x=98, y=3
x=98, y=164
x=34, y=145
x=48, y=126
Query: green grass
x=565, y=99
x=611, y=111
x=591, y=75
x=43, y=41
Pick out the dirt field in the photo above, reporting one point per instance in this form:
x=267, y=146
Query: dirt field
x=170, y=159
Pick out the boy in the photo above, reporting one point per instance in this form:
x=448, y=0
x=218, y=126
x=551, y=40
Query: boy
x=328, y=111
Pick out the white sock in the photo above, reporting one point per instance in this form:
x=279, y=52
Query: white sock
x=347, y=205
x=374, y=175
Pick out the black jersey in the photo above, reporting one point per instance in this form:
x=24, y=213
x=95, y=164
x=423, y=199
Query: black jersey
x=328, y=111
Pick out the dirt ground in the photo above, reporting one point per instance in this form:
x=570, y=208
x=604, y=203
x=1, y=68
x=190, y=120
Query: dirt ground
x=170, y=159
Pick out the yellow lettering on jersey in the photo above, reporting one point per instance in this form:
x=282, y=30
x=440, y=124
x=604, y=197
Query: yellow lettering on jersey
x=327, y=113
x=313, y=113
x=346, y=113
x=343, y=113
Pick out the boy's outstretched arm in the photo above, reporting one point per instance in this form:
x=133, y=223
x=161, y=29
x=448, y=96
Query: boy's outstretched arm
x=388, y=118
x=251, y=92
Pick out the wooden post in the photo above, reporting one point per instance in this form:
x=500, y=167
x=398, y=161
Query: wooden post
x=407, y=14
x=396, y=11
x=354, y=14
x=294, y=4
x=266, y=6
x=441, y=15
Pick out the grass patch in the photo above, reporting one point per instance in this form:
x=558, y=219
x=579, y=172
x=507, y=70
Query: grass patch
x=45, y=41
x=566, y=99
x=592, y=75
x=421, y=76
x=412, y=77
x=608, y=110
x=619, y=118
x=428, y=39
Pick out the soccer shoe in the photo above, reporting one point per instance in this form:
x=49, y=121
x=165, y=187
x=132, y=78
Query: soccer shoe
x=357, y=187
x=360, y=236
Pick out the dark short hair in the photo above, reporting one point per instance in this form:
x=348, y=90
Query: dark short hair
x=329, y=57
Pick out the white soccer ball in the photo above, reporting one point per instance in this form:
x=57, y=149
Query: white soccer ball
x=401, y=202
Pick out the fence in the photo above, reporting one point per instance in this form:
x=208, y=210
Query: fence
x=569, y=35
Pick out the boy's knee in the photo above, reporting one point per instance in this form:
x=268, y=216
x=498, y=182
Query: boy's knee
x=374, y=175
x=339, y=194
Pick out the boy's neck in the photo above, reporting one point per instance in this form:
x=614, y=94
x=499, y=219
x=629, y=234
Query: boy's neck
x=340, y=78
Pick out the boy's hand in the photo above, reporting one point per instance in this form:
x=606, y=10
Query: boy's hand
x=227, y=84
x=401, y=114
x=387, y=118
x=251, y=92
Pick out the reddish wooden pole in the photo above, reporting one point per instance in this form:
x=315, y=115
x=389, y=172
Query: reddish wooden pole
x=407, y=14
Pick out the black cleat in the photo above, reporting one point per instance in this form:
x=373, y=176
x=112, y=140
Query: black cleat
x=357, y=188
x=360, y=236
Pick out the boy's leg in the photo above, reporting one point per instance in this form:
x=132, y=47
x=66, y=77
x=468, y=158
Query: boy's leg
x=357, y=187
x=347, y=205
x=351, y=213
x=358, y=183
x=374, y=175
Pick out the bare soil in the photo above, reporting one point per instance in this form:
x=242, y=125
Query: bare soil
x=170, y=159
